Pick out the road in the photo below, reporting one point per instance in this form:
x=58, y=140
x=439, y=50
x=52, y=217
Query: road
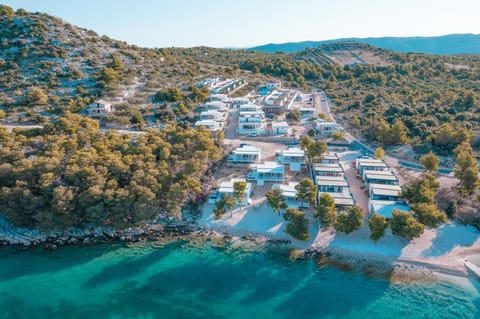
x=322, y=104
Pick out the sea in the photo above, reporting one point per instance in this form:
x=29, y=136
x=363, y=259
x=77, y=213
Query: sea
x=190, y=279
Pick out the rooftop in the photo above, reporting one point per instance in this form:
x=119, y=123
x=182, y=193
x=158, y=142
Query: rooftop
x=293, y=151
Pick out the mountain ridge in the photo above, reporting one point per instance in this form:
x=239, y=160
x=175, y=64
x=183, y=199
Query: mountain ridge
x=465, y=43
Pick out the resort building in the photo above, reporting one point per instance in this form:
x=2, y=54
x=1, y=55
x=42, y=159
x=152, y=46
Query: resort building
x=245, y=154
x=219, y=98
x=384, y=192
x=99, y=108
x=307, y=112
x=325, y=128
x=249, y=108
x=335, y=170
x=239, y=101
x=342, y=200
x=210, y=125
x=216, y=106
x=251, y=122
x=213, y=115
x=266, y=172
x=329, y=158
x=370, y=164
x=289, y=193
x=328, y=184
x=228, y=187
x=279, y=127
x=293, y=156
x=379, y=177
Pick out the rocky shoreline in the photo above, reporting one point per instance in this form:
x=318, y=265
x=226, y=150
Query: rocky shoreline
x=25, y=238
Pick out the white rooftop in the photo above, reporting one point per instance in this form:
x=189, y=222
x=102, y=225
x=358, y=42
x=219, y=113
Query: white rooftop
x=383, y=177
x=293, y=151
x=227, y=186
x=328, y=168
x=267, y=166
x=331, y=181
x=247, y=149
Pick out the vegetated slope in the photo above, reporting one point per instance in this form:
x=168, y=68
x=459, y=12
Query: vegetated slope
x=447, y=44
x=70, y=174
x=71, y=66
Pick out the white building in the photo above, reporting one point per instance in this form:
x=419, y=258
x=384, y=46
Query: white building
x=280, y=127
x=274, y=85
x=213, y=115
x=293, y=156
x=99, y=108
x=249, y=108
x=210, y=125
x=289, y=193
x=332, y=184
x=325, y=128
x=239, y=101
x=216, y=106
x=227, y=187
x=219, y=98
x=384, y=192
x=307, y=112
x=370, y=164
x=266, y=172
x=251, y=122
x=245, y=154
x=341, y=200
x=328, y=170
x=379, y=177
x=329, y=158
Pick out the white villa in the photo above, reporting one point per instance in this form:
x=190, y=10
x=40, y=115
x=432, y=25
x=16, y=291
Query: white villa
x=239, y=101
x=274, y=84
x=290, y=194
x=279, y=127
x=384, y=192
x=210, y=125
x=293, y=156
x=325, y=128
x=332, y=184
x=341, y=200
x=251, y=122
x=266, y=172
x=99, y=108
x=227, y=188
x=329, y=158
x=249, y=108
x=328, y=170
x=307, y=112
x=213, y=115
x=379, y=177
x=385, y=207
x=216, y=105
x=219, y=98
x=370, y=164
x=245, y=154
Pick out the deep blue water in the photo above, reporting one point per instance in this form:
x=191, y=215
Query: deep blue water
x=187, y=281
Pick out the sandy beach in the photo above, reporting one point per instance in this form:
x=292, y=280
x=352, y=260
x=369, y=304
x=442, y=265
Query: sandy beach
x=443, y=250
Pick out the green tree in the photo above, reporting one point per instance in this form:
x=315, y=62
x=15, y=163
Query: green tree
x=378, y=225
x=326, y=210
x=315, y=151
x=276, y=200
x=6, y=11
x=466, y=168
x=229, y=202
x=430, y=161
x=429, y=214
x=421, y=190
x=297, y=223
x=338, y=136
x=404, y=225
x=380, y=153
x=293, y=116
x=37, y=97
x=349, y=220
x=306, y=191
x=220, y=210
x=239, y=189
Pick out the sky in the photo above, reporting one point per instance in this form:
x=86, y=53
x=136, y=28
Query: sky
x=246, y=23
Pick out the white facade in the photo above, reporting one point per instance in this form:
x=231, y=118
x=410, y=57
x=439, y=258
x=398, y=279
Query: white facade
x=251, y=122
x=245, y=154
x=280, y=127
x=266, y=172
x=99, y=108
x=228, y=187
x=238, y=101
x=210, y=125
x=370, y=164
x=325, y=128
x=332, y=184
x=289, y=193
x=328, y=170
x=293, y=156
x=213, y=115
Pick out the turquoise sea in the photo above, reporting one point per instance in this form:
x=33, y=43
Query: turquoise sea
x=183, y=280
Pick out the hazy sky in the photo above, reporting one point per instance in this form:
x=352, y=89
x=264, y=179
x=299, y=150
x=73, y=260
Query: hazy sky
x=243, y=23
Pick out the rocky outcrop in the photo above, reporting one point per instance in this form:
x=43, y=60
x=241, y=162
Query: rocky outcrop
x=26, y=238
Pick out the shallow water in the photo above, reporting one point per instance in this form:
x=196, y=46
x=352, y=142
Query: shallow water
x=182, y=280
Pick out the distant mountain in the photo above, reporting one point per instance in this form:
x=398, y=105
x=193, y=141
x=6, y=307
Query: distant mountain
x=447, y=44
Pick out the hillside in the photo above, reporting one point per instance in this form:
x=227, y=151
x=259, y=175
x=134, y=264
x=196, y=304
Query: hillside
x=371, y=87
x=447, y=44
